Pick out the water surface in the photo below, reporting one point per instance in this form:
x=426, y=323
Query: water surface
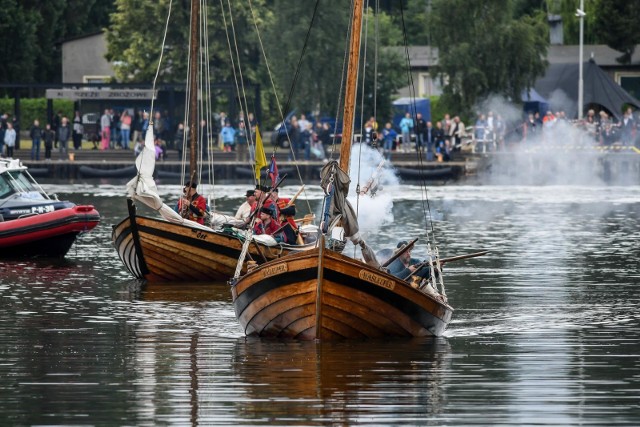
x=545, y=328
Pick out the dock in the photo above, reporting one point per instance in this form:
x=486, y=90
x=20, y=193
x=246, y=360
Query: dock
x=89, y=163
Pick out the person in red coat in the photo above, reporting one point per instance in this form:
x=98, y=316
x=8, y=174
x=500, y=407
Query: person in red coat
x=265, y=223
x=192, y=205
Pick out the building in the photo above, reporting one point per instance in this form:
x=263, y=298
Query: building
x=422, y=58
x=83, y=59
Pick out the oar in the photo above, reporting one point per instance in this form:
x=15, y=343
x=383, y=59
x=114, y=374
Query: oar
x=461, y=257
x=293, y=199
x=423, y=264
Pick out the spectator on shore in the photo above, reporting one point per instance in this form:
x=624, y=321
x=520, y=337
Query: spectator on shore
x=10, y=139
x=105, y=130
x=49, y=137
x=35, y=133
x=389, y=135
x=78, y=131
x=406, y=127
x=64, y=134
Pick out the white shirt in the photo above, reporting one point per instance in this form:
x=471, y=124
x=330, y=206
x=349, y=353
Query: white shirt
x=243, y=211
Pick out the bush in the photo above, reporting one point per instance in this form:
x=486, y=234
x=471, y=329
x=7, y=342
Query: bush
x=35, y=108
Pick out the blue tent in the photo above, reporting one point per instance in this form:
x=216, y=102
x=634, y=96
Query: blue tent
x=412, y=106
x=533, y=102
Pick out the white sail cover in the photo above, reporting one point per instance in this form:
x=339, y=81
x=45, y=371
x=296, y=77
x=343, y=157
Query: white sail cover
x=143, y=188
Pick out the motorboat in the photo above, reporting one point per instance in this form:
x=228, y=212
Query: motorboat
x=34, y=224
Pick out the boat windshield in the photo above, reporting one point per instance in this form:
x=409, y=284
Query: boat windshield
x=13, y=182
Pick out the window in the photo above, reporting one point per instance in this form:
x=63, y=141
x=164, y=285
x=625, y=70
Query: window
x=630, y=81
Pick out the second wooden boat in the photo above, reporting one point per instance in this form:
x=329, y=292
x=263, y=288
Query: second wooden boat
x=321, y=294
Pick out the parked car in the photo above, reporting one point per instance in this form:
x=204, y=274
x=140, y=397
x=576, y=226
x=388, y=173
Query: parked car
x=91, y=125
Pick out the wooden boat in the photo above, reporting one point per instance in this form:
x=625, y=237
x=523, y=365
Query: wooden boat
x=324, y=295
x=157, y=250
x=321, y=294
x=172, y=248
x=31, y=223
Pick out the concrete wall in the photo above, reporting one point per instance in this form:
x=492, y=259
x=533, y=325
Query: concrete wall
x=83, y=59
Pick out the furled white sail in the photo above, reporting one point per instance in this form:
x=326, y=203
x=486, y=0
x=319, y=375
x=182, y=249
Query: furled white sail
x=143, y=188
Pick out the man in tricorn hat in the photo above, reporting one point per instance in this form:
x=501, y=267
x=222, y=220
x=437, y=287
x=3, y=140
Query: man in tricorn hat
x=192, y=205
x=244, y=211
x=265, y=223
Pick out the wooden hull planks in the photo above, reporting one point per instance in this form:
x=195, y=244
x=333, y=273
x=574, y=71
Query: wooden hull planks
x=285, y=299
x=157, y=250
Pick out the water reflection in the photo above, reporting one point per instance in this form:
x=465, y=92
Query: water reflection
x=343, y=382
x=544, y=332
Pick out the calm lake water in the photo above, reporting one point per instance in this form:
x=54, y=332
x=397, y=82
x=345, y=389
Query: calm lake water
x=545, y=332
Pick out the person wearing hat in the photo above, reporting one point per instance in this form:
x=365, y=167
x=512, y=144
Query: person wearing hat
x=265, y=223
x=192, y=205
x=260, y=193
x=244, y=211
x=286, y=211
x=404, y=266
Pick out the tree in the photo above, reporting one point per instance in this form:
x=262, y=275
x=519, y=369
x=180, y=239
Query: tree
x=18, y=48
x=30, y=46
x=484, y=51
x=137, y=29
x=616, y=26
x=571, y=23
x=318, y=84
x=416, y=22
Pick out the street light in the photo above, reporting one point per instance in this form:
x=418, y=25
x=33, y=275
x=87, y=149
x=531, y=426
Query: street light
x=580, y=14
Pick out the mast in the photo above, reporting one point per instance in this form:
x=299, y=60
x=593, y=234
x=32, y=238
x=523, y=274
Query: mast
x=192, y=87
x=351, y=85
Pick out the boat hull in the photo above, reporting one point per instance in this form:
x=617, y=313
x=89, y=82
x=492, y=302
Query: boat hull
x=49, y=234
x=157, y=250
x=343, y=299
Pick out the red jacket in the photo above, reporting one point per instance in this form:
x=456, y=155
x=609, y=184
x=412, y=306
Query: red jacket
x=196, y=211
x=270, y=228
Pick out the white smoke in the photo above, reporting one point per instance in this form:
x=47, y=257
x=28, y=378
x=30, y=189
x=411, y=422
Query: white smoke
x=369, y=172
x=560, y=152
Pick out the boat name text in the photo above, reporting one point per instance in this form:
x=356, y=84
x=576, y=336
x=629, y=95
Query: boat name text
x=33, y=209
x=276, y=269
x=376, y=279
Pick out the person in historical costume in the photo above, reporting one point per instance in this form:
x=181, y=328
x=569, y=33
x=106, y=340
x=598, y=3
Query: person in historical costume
x=265, y=223
x=404, y=266
x=192, y=205
x=244, y=211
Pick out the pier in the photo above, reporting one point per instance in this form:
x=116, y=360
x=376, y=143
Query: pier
x=89, y=163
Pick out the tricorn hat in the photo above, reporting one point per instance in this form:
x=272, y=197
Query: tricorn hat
x=401, y=244
x=250, y=193
x=266, y=210
x=192, y=184
x=263, y=188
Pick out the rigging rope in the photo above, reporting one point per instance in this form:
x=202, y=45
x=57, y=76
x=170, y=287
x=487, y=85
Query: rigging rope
x=425, y=199
x=275, y=92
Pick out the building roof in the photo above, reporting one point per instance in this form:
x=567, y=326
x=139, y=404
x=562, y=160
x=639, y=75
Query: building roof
x=599, y=88
x=427, y=56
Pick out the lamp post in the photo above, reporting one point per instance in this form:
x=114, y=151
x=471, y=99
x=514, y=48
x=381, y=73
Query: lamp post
x=580, y=14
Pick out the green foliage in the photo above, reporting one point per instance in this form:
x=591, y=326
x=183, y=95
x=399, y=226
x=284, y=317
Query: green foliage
x=438, y=109
x=32, y=31
x=318, y=84
x=136, y=34
x=18, y=48
x=571, y=23
x=416, y=21
x=35, y=108
x=616, y=24
x=488, y=53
